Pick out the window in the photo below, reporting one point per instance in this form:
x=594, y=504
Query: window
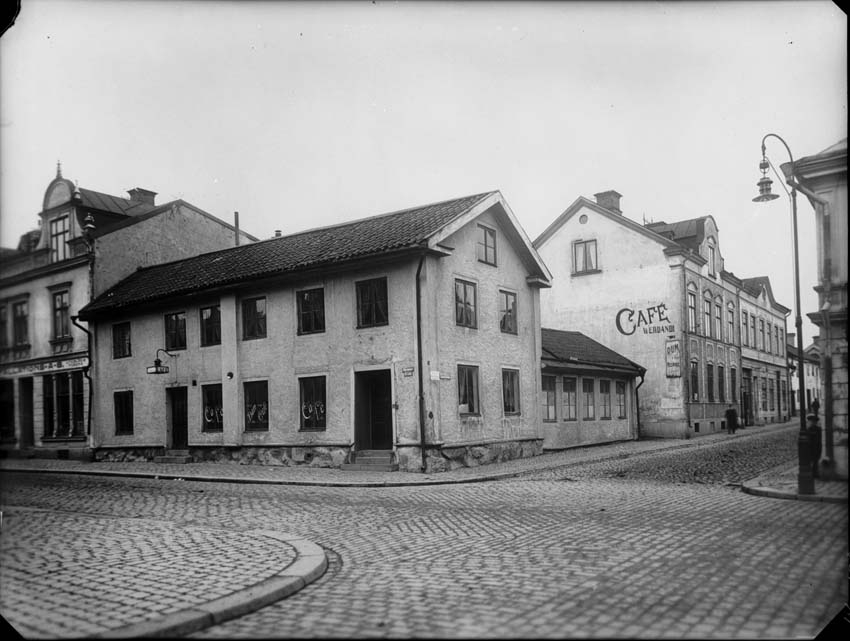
x=763, y=395
x=77, y=421
x=486, y=245
x=733, y=385
x=584, y=257
x=589, y=398
x=761, y=334
x=510, y=391
x=48, y=408
x=121, y=347
x=549, y=398
x=621, y=399
x=770, y=395
x=465, y=304
x=569, y=399
x=692, y=312
x=605, y=398
x=753, y=328
x=372, y=309
x=311, y=310
x=213, y=408
x=782, y=349
x=709, y=382
x=123, y=404
x=467, y=389
x=784, y=389
x=312, y=394
x=256, y=406
x=20, y=329
x=718, y=321
x=61, y=317
x=769, y=348
x=254, y=318
x=721, y=384
x=778, y=344
x=210, y=325
x=694, y=381
x=730, y=324
x=175, y=331
x=712, y=266
x=745, y=331
x=507, y=312
x=59, y=235
x=4, y=327
x=706, y=317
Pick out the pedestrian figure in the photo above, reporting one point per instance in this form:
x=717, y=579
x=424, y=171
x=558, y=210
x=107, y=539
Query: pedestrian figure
x=815, y=407
x=731, y=419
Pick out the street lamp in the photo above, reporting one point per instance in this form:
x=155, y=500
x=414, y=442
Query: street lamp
x=805, y=476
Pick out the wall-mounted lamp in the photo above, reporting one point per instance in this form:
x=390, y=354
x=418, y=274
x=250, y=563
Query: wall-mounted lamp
x=158, y=367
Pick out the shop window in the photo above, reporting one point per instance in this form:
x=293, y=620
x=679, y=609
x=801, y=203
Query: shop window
x=213, y=419
x=467, y=389
x=466, y=313
x=256, y=406
x=584, y=257
x=569, y=400
x=254, y=318
x=123, y=406
x=312, y=395
x=210, y=318
x=311, y=310
x=121, y=347
x=372, y=306
x=175, y=331
x=507, y=312
x=510, y=391
x=548, y=384
x=486, y=245
x=587, y=385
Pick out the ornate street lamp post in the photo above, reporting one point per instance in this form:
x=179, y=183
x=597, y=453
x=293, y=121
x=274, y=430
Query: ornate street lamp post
x=805, y=476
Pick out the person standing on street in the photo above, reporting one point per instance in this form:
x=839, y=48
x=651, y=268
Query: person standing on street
x=731, y=419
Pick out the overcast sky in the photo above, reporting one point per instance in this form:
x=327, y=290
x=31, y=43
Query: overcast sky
x=299, y=115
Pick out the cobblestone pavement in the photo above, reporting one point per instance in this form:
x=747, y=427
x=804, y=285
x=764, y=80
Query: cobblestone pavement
x=661, y=544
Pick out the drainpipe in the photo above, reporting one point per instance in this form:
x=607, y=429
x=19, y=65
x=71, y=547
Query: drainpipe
x=637, y=403
x=419, y=361
x=86, y=373
x=686, y=375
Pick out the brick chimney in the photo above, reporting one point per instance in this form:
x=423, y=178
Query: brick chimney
x=609, y=200
x=140, y=195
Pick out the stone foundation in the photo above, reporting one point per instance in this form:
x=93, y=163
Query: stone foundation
x=446, y=458
x=273, y=456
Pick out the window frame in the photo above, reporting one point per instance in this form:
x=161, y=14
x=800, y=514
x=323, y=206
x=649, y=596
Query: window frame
x=709, y=382
x=128, y=343
x=212, y=426
x=512, y=324
x=511, y=391
x=122, y=411
x=721, y=383
x=58, y=238
x=706, y=316
x=175, y=329
x=483, y=248
x=589, y=407
x=718, y=320
x=210, y=328
x=584, y=246
x=20, y=324
x=730, y=322
x=605, y=399
x=733, y=384
x=380, y=288
x=464, y=372
x=692, y=312
x=620, y=390
x=549, y=398
x=263, y=411
x=314, y=312
x=61, y=314
x=569, y=410
x=461, y=304
x=313, y=381
x=694, y=380
x=4, y=326
x=254, y=320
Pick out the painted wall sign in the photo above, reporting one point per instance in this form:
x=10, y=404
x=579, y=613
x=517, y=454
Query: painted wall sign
x=652, y=320
x=407, y=371
x=47, y=366
x=674, y=359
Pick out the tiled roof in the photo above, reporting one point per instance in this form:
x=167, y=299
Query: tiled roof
x=575, y=348
x=107, y=202
x=314, y=248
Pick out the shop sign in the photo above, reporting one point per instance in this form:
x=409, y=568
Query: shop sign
x=45, y=367
x=674, y=359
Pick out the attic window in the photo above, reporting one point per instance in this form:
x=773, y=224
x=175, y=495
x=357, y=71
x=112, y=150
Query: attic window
x=486, y=245
x=712, y=260
x=59, y=235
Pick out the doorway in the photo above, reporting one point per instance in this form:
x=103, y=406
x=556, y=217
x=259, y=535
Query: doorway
x=373, y=417
x=179, y=414
x=27, y=422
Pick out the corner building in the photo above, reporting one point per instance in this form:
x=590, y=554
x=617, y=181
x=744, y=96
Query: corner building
x=658, y=294
x=413, y=336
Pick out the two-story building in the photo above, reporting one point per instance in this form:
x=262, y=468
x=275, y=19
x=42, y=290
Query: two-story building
x=410, y=338
x=660, y=295
x=86, y=242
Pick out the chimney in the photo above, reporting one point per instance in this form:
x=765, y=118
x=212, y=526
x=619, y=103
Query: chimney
x=140, y=195
x=609, y=200
x=277, y=233
x=236, y=225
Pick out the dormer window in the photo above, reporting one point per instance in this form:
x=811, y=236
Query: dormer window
x=60, y=233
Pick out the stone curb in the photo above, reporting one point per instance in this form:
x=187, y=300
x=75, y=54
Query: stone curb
x=310, y=564
x=782, y=494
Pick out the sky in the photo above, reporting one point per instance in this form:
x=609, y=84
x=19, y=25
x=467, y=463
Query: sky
x=299, y=115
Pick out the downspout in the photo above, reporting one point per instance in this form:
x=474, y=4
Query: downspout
x=686, y=380
x=637, y=403
x=86, y=373
x=419, y=362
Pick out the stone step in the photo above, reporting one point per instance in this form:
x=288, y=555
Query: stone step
x=174, y=456
x=371, y=460
x=370, y=467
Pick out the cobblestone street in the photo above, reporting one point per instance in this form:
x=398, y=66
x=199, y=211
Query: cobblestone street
x=659, y=544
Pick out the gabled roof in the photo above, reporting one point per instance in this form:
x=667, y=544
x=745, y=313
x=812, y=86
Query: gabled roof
x=568, y=348
x=406, y=231
x=753, y=286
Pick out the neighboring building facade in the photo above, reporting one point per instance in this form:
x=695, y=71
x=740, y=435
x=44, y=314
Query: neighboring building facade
x=87, y=240
x=812, y=375
x=588, y=392
x=822, y=177
x=764, y=364
x=415, y=333
x=667, y=303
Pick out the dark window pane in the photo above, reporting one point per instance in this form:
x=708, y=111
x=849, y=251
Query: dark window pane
x=313, y=405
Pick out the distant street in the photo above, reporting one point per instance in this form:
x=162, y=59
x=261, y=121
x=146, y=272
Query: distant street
x=655, y=545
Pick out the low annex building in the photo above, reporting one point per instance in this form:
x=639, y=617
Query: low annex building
x=415, y=333
x=588, y=392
